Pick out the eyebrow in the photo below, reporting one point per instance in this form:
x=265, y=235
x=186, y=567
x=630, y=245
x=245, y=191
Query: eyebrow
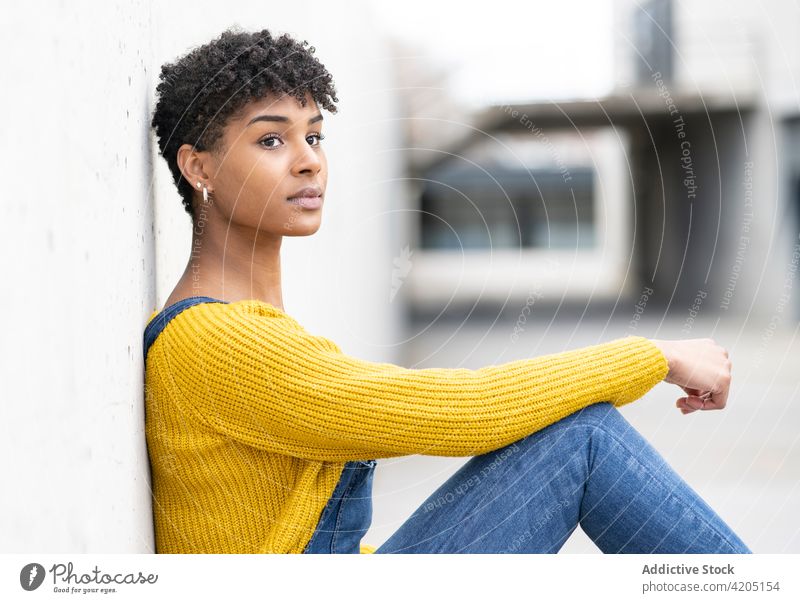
x=282, y=118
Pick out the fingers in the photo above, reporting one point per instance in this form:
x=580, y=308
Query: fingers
x=689, y=404
x=684, y=407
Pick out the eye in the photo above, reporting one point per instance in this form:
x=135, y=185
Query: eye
x=319, y=136
x=269, y=137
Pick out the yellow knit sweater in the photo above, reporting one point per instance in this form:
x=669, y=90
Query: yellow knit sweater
x=250, y=419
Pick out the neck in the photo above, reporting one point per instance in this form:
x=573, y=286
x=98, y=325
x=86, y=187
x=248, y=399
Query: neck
x=242, y=263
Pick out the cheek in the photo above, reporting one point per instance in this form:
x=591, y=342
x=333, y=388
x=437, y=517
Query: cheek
x=256, y=180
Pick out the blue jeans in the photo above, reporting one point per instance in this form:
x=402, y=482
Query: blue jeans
x=591, y=468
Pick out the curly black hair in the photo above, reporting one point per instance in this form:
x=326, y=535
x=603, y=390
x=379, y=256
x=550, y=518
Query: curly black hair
x=200, y=92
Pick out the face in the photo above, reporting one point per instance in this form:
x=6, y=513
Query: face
x=271, y=152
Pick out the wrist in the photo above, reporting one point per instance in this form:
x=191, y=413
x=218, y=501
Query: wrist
x=669, y=357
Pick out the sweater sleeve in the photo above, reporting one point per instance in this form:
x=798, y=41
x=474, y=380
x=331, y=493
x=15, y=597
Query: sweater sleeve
x=251, y=372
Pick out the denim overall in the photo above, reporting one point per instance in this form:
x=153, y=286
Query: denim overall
x=348, y=514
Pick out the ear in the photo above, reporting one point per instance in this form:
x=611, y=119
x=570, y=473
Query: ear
x=195, y=166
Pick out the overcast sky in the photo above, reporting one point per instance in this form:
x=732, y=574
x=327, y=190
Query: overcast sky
x=509, y=51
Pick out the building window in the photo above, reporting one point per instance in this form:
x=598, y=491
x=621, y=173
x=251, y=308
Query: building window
x=474, y=208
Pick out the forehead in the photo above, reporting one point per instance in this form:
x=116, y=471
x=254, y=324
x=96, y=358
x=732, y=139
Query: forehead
x=284, y=105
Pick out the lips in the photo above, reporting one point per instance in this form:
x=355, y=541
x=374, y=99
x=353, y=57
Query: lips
x=309, y=191
x=308, y=202
x=309, y=197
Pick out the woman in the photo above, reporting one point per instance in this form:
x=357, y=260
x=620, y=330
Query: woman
x=263, y=437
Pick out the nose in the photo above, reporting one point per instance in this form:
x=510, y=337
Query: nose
x=308, y=160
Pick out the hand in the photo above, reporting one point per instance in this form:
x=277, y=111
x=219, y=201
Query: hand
x=701, y=368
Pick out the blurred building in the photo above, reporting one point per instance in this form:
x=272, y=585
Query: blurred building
x=684, y=178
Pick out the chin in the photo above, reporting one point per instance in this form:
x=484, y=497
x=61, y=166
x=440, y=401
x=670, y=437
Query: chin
x=301, y=229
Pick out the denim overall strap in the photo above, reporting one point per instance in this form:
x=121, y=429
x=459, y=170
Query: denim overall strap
x=160, y=321
x=348, y=513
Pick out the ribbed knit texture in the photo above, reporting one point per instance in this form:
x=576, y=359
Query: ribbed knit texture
x=250, y=419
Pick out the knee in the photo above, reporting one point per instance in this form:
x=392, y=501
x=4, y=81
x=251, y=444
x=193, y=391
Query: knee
x=578, y=428
x=581, y=430
x=602, y=418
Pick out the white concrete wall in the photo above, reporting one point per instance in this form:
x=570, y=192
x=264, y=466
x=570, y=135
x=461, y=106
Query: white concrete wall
x=93, y=236
x=76, y=244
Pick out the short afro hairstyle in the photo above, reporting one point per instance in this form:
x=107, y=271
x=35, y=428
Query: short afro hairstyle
x=200, y=92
